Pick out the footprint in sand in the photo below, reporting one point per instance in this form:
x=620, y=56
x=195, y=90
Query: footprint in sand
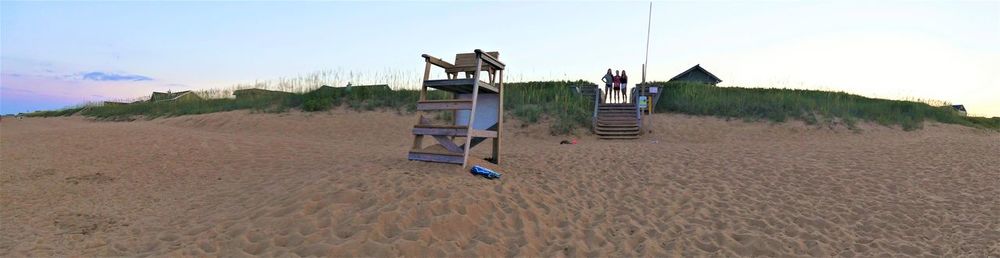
x=96, y=178
x=86, y=224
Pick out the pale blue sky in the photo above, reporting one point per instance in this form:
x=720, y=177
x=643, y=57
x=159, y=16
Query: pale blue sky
x=895, y=49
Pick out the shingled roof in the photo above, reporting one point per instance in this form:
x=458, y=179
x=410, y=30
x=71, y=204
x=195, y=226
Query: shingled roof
x=697, y=74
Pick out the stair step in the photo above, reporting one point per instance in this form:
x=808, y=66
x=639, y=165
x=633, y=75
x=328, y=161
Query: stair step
x=435, y=157
x=629, y=131
x=623, y=124
x=617, y=129
x=616, y=124
x=617, y=119
x=459, y=85
x=632, y=116
x=634, y=132
x=448, y=104
x=452, y=130
x=618, y=137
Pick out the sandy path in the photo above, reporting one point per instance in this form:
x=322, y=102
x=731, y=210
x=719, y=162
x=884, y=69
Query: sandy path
x=338, y=184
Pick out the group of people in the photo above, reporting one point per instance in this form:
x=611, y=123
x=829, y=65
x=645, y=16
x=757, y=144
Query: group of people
x=617, y=82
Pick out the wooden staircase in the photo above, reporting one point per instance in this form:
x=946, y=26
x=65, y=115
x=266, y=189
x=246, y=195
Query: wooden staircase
x=617, y=121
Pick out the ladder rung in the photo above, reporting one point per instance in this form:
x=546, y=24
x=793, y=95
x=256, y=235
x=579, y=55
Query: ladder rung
x=434, y=157
x=452, y=130
x=450, y=104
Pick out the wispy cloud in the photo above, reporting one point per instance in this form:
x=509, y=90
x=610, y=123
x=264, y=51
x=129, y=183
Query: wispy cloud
x=102, y=76
x=17, y=90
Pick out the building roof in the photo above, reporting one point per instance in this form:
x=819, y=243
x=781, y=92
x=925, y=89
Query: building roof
x=158, y=96
x=696, y=68
x=258, y=91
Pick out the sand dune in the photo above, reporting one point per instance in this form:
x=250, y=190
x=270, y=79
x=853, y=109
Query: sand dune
x=338, y=184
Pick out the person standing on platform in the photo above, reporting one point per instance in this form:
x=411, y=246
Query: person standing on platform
x=624, y=82
x=617, y=85
x=608, y=79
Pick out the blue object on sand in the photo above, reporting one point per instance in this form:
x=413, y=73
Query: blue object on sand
x=485, y=172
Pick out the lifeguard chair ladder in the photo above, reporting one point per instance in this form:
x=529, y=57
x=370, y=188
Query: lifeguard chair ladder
x=477, y=108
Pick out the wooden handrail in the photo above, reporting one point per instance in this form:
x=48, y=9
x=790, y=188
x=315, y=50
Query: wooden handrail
x=491, y=60
x=597, y=101
x=437, y=61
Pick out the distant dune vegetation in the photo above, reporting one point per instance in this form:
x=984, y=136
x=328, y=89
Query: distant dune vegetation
x=568, y=111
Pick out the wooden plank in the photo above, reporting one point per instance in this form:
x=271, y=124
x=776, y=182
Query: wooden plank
x=441, y=126
x=451, y=104
x=446, y=142
x=490, y=60
x=634, y=130
x=418, y=140
x=497, y=141
x=460, y=132
x=437, y=61
x=436, y=158
x=618, y=137
x=482, y=133
x=431, y=150
x=459, y=85
x=472, y=113
x=441, y=131
x=427, y=75
x=617, y=125
x=461, y=68
x=468, y=60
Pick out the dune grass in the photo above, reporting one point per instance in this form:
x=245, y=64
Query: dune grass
x=527, y=101
x=54, y=113
x=532, y=101
x=811, y=106
x=566, y=111
x=321, y=99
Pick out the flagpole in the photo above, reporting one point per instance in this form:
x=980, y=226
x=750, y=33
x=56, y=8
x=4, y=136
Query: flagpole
x=648, y=28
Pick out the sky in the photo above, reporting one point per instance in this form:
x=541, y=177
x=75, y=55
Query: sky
x=59, y=54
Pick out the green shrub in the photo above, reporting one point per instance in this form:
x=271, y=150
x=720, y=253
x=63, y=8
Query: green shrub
x=779, y=105
x=528, y=113
x=316, y=104
x=530, y=101
x=54, y=113
x=568, y=111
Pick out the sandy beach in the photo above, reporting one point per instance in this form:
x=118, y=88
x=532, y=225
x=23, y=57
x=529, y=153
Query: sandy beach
x=339, y=184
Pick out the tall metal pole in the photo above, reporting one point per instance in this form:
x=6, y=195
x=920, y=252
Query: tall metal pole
x=649, y=25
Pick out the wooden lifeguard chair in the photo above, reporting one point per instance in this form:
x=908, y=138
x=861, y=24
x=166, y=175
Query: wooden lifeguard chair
x=477, y=108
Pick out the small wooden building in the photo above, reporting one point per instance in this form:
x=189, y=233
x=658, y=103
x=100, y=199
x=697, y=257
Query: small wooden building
x=698, y=75
x=174, y=96
x=960, y=109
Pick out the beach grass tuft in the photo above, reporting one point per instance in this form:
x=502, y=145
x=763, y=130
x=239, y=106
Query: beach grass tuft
x=553, y=100
x=567, y=111
x=810, y=106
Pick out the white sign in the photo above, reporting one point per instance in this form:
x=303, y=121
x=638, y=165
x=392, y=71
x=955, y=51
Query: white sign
x=654, y=89
x=486, y=111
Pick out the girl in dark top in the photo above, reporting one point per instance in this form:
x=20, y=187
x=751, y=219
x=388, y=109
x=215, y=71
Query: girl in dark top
x=618, y=85
x=624, y=81
x=607, y=79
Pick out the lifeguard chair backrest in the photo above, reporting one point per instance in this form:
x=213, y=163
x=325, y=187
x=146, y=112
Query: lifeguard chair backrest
x=469, y=59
